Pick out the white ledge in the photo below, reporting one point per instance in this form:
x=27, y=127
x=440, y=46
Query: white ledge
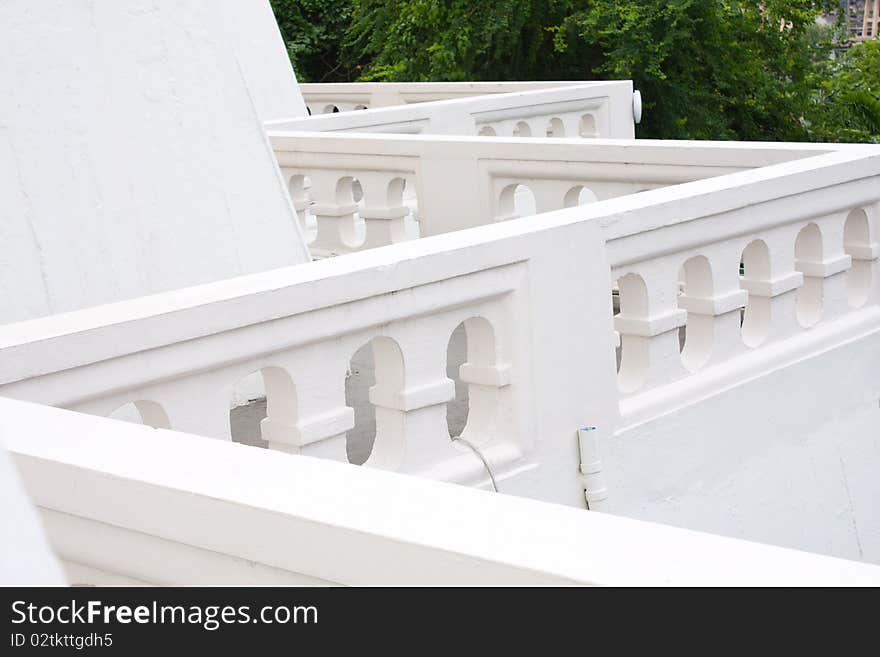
x=824, y=268
x=650, y=326
x=774, y=287
x=719, y=305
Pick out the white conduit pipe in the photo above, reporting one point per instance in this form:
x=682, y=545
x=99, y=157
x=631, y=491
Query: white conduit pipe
x=591, y=475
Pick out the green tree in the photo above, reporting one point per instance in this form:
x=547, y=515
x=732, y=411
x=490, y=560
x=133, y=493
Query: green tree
x=719, y=69
x=846, y=100
x=414, y=40
x=313, y=31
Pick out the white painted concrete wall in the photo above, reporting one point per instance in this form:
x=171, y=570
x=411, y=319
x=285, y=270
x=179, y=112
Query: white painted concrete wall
x=263, y=58
x=132, y=156
x=788, y=458
x=25, y=556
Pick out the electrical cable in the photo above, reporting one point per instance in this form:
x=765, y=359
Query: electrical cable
x=482, y=458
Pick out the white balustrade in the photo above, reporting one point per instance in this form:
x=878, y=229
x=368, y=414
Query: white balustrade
x=573, y=110
x=782, y=238
x=462, y=182
x=677, y=265
x=299, y=327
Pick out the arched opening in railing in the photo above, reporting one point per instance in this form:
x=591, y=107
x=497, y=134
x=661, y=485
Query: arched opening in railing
x=697, y=334
x=615, y=311
x=456, y=355
x=350, y=193
x=487, y=131
x=374, y=378
x=360, y=107
x=472, y=362
x=579, y=195
x=634, y=349
x=330, y=109
x=408, y=228
x=299, y=186
x=522, y=129
x=264, y=408
x=555, y=128
x=587, y=126
x=808, y=249
x=143, y=411
x=755, y=268
x=857, y=244
x=515, y=201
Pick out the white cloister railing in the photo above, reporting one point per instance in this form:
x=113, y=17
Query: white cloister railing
x=360, y=191
x=178, y=355
x=593, y=109
x=127, y=504
x=675, y=253
x=770, y=255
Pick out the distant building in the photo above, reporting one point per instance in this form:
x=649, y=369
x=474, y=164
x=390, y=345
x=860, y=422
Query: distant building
x=861, y=18
x=870, y=24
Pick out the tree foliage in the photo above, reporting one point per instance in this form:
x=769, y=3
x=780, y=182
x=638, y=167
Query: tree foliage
x=707, y=69
x=313, y=31
x=846, y=96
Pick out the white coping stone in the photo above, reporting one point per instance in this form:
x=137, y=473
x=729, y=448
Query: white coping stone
x=407, y=529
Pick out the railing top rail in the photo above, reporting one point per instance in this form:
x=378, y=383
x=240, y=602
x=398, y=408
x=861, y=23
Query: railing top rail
x=407, y=529
x=188, y=313
x=502, y=84
x=641, y=151
x=679, y=204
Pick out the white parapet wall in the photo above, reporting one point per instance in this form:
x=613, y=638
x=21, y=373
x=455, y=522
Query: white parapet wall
x=126, y=504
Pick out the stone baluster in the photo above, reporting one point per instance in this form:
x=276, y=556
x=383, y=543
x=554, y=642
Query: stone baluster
x=772, y=283
x=714, y=310
x=199, y=405
x=383, y=212
x=873, y=213
x=489, y=413
x=340, y=227
x=648, y=324
x=316, y=421
x=549, y=195
x=410, y=399
x=865, y=251
x=824, y=270
x=299, y=189
x=572, y=125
